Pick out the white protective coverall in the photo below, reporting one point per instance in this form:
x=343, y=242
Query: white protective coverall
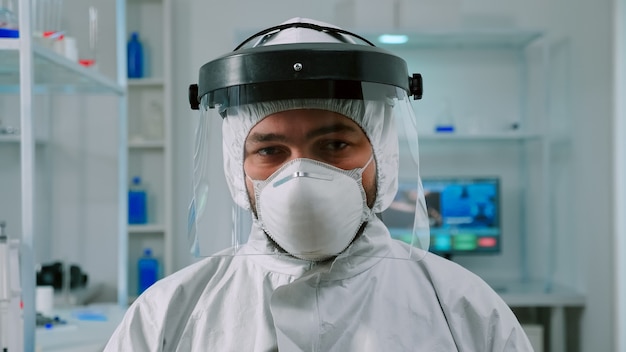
x=362, y=301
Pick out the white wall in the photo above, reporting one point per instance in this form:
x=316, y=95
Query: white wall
x=205, y=29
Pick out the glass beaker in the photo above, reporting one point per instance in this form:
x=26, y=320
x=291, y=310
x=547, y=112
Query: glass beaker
x=8, y=14
x=47, y=18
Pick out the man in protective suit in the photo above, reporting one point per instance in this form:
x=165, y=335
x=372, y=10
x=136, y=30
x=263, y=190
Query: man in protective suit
x=314, y=124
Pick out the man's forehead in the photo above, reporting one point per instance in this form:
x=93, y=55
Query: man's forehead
x=293, y=121
x=308, y=113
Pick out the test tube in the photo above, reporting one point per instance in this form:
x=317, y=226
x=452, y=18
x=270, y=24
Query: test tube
x=47, y=18
x=90, y=59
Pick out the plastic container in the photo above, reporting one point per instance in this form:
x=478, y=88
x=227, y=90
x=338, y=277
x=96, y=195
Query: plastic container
x=445, y=120
x=137, y=202
x=135, y=56
x=8, y=20
x=148, y=267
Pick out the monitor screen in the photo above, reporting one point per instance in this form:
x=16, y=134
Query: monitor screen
x=464, y=214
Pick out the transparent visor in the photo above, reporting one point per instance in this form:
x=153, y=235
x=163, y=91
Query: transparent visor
x=305, y=207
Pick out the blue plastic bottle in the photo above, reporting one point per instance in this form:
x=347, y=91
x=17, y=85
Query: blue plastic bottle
x=137, y=203
x=135, y=56
x=148, y=267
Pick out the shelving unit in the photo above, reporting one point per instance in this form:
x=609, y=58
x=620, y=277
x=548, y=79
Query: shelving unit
x=52, y=73
x=150, y=134
x=491, y=81
x=497, y=84
x=27, y=69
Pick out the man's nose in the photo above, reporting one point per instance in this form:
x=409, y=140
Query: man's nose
x=298, y=153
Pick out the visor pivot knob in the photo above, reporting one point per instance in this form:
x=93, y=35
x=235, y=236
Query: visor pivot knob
x=416, y=86
x=297, y=67
x=193, y=97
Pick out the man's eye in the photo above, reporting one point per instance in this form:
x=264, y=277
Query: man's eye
x=335, y=145
x=267, y=151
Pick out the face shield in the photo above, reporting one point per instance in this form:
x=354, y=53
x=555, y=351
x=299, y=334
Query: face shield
x=301, y=66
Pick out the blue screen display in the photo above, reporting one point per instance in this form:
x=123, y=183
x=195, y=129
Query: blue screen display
x=464, y=214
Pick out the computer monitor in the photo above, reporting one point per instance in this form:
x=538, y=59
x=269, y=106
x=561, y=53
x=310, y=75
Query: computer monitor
x=464, y=214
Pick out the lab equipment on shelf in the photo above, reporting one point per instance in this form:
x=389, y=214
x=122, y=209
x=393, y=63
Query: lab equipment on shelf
x=148, y=267
x=11, y=321
x=135, y=56
x=137, y=202
x=8, y=19
x=89, y=59
x=445, y=120
x=47, y=15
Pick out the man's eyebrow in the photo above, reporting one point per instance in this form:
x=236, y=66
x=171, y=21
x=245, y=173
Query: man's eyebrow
x=266, y=137
x=258, y=137
x=334, y=128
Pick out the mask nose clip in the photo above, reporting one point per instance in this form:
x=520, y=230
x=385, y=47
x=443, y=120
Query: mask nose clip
x=298, y=174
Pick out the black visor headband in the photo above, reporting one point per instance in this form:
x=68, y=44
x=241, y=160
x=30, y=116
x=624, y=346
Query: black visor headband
x=300, y=70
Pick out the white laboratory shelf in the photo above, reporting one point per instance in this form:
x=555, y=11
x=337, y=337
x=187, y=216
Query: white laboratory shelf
x=9, y=43
x=146, y=82
x=483, y=136
x=9, y=139
x=146, y=144
x=148, y=228
x=52, y=73
x=16, y=139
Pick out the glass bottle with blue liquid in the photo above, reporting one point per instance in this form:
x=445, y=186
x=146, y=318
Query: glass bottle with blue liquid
x=137, y=202
x=135, y=56
x=148, y=270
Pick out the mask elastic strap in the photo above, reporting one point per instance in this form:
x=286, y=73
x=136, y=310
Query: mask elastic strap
x=367, y=163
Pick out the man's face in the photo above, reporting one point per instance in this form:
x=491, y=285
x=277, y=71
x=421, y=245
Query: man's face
x=320, y=135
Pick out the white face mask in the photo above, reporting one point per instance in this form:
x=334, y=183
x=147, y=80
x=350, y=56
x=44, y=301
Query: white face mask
x=311, y=209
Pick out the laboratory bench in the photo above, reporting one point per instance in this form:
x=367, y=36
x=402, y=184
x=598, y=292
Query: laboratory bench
x=79, y=329
x=541, y=295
